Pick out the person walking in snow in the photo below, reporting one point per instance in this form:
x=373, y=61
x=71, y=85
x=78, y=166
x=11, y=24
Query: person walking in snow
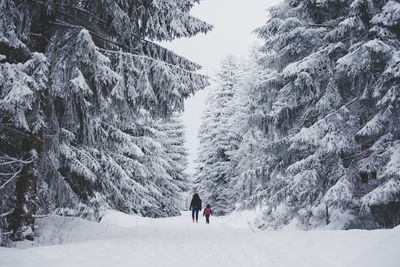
x=195, y=206
x=207, y=212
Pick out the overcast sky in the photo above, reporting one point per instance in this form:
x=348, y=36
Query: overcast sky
x=234, y=21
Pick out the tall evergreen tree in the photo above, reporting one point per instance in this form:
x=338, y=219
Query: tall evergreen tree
x=80, y=82
x=247, y=160
x=214, y=170
x=330, y=110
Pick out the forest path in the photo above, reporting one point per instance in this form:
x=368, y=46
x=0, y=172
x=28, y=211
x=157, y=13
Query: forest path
x=123, y=240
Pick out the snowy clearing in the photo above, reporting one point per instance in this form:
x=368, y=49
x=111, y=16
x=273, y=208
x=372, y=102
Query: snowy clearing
x=124, y=240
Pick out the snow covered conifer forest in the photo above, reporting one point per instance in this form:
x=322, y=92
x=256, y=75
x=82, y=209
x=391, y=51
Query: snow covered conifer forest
x=88, y=104
x=305, y=131
x=308, y=129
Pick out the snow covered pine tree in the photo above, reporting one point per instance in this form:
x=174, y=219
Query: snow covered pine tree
x=82, y=89
x=217, y=140
x=333, y=119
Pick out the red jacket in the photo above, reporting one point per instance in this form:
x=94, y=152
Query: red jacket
x=207, y=211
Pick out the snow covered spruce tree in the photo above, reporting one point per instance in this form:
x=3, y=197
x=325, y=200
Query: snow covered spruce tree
x=247, y=161
x=162, y=163
x=217, y=140
x=331, y=114
x=80, y=83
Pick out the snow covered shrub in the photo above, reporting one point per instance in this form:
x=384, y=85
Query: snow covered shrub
x=276, y=217
x=307, y=218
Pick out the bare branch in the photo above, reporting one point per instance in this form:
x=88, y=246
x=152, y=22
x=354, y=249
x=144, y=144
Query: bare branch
x=6, y=174
x=320, y=25
x=7, y=233
x=6, y=213
x=12, y=177
x=36, y=34
x=12, y=160
x=7, y=163
x=39, y=216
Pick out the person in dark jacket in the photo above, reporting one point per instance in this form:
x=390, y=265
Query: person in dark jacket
x=195, y=206
x=207, y=212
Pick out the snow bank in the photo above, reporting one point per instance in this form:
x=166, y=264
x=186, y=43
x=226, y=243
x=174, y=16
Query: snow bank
x=238, y=219
x=125, y=240
x=58, y=230
x=122, y=219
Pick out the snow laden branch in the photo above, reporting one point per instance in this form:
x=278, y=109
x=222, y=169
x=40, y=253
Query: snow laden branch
x=150, y=49
x=147, y=58
x=98, y=35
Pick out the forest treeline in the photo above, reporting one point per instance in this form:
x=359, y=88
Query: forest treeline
x=308, y=128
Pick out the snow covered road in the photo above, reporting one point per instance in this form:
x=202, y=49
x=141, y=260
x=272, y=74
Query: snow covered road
x=123, y=240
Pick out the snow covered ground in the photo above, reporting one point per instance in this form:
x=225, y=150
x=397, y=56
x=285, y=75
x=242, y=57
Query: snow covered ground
x=124, y=240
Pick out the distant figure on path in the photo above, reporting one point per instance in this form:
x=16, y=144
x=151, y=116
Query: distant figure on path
x=207, y=212
x=195, y=206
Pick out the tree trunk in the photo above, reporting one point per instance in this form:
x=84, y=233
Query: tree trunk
x=326, y=214
x=22, y=220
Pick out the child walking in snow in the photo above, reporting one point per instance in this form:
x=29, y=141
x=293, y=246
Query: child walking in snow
x=207, y=212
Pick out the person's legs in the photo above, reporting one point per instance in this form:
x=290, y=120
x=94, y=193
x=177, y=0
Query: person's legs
x=193, y=211
x=197, y=215
x=207, y=218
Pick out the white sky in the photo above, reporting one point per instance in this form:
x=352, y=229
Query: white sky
x=234, y=21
